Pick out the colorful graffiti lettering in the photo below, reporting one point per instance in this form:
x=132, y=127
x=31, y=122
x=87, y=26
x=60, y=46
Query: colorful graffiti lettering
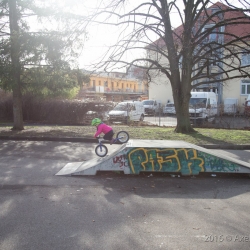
x=182, y=160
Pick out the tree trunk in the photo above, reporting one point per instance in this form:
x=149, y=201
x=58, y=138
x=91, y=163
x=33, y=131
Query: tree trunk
x=183, y=123
x=17, y=108
x=181, y=101
x=15, y=53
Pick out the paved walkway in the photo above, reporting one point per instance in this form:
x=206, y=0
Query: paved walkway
x=113, y=211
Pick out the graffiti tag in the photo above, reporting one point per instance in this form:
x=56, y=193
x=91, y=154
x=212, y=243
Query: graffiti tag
x=182, y=160
x=121, y=160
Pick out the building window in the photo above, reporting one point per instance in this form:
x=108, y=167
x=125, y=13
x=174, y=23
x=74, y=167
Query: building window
x=211, y=35
x=218, y=12
x=245, y=60
x=180, y=62
x=245, y=87
x=117, y=84
x=213, y=61
x=99, y=83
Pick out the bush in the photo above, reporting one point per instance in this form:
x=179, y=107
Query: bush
x=6, y=108
x=68, y=112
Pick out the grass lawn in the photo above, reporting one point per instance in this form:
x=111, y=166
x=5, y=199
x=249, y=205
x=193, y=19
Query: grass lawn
x=202, y=135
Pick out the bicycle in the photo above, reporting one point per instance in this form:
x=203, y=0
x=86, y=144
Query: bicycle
x=101, y=150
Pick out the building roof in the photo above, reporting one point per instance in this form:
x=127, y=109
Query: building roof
x=239, y=30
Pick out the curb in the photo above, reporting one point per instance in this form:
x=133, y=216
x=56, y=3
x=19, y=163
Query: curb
x=62, y=139
x=57, y=139
x=225, y=146
x=92, y=140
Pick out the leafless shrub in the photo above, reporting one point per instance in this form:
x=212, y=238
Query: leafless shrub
x=52, y=111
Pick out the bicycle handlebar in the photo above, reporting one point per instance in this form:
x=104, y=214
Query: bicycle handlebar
x=99, y=138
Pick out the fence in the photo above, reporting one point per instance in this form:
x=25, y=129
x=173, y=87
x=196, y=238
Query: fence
x=235, y=119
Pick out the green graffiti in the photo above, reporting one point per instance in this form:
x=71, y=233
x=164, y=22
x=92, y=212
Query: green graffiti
x=216, y=164
x=182, y=160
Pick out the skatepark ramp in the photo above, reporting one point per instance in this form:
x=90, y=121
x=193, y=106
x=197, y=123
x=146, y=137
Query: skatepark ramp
x=159, y=156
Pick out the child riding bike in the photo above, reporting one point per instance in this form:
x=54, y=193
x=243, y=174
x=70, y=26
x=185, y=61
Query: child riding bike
x=103, y=128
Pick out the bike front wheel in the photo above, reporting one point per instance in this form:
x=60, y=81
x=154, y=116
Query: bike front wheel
x=101, y=150
x=122, y=136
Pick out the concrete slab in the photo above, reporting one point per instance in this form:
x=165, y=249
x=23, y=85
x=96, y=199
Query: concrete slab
x=159, y=156
x=69, y=168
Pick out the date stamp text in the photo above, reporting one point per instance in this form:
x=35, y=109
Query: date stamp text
x=227, y=238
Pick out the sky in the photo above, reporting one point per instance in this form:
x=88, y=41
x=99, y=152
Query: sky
x=100, y=37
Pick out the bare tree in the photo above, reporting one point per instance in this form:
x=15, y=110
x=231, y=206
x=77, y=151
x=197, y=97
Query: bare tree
x=185, y=55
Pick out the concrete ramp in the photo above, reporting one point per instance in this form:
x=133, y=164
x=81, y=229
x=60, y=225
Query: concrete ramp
x=159, y=156
x=92, y=166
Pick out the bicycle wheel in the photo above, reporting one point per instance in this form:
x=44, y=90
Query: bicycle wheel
x=122, y=136
x=101, y=150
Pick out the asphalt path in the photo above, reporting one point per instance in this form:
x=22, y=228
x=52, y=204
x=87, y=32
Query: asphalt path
x=39, y=210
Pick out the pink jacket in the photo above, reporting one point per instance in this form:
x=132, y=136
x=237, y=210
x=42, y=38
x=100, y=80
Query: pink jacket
x=102, y=128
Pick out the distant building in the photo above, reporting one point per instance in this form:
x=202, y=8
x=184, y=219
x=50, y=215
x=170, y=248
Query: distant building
x=136, y=72
x=160, y=87
x=114, y=86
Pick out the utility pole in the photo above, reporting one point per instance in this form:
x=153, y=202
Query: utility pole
x=220, y=84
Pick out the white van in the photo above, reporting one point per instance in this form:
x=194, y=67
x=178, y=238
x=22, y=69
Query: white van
x=202, y=106
x=151, y=106
x=127, y=111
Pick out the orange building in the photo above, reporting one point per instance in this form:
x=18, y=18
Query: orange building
x=114, y=86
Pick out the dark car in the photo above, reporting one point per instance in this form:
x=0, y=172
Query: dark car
x=101, y=111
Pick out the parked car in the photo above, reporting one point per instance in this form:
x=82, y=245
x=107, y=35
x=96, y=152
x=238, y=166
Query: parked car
x=101, y=112
x=127, y=111
x=169, y=108
x=152, y=106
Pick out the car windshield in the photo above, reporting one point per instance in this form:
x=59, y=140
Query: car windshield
x=197, y=102
x=122, y=107
x=148, y=102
